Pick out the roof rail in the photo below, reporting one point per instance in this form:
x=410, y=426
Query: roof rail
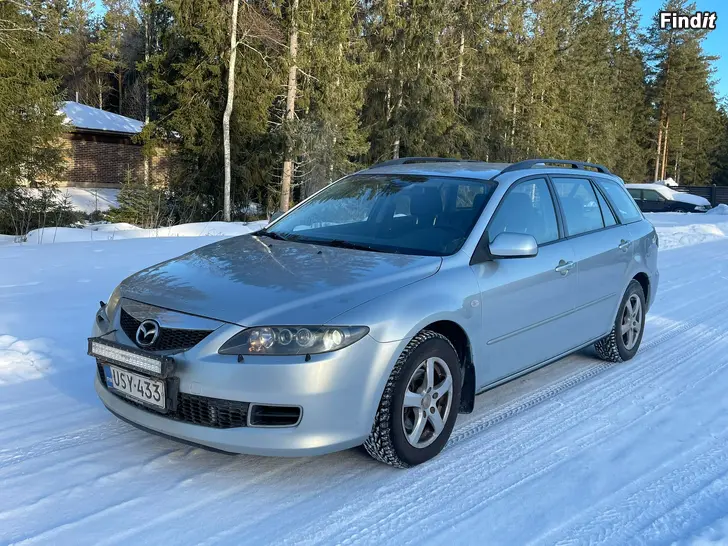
x=413, y=160
x=530, y=163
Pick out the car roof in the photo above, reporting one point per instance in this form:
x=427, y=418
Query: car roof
x=456, y=169
x=483, y=170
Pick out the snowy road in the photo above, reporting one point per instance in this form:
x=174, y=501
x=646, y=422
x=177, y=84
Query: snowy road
x=578, y=452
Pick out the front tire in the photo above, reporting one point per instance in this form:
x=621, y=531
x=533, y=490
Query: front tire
x=624, y=340
x=419, y=405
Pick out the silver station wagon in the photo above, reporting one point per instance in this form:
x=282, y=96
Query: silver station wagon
x=374, y=311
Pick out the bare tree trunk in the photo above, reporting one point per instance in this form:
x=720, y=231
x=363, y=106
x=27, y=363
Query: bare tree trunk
x=398, y=140
x=101, y=94
x=664, y=149
x=461, y=61
x=678, y=154
x=229, y=107
x=146, y=87
x=336, y=127
x=119, y=78
x=287, y=178
x=659, y=148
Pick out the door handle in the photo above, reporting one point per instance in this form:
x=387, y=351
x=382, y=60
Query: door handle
x=564, y=267
x=624, y=245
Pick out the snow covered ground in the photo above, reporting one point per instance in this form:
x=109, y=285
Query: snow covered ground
x=579, y=452
x=90, y=199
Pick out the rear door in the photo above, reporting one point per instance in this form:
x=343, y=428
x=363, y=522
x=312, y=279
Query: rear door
x=603, y=251
x=527, y=303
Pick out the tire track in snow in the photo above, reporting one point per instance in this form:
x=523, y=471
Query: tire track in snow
x=55, y=444
x=493, y=458
x=187, y=506
x=653, y=496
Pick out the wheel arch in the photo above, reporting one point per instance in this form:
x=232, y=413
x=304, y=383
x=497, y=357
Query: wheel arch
x=644, y=281
x=459, y=338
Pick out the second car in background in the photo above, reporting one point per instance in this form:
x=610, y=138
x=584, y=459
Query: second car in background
x=659, y=198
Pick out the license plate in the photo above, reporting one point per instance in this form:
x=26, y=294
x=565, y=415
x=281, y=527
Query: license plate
x=138, y=387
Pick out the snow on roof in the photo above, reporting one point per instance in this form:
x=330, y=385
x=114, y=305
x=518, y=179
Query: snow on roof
x=81, y=116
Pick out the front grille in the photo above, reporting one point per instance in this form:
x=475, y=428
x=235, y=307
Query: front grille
x=211, y=412
x=170, y=339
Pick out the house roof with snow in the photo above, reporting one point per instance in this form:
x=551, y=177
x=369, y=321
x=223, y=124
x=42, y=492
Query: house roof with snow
x=90, y=119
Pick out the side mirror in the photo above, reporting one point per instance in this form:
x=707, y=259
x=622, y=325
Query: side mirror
x=277, y=214
x=514, y=245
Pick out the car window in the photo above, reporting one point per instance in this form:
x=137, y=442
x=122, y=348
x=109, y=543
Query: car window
x=635, y=193
x=621, y=201
x=607, y=214
x=396, y=213
x=527, y=208
x=580, y=205
x=652, y=195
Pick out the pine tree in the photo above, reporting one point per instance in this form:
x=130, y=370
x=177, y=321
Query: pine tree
x=75, y=52
x=29, y=123
x=688, y=119
x=111, y=50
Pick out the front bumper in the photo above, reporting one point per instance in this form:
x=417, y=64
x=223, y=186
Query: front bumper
x=338, y=392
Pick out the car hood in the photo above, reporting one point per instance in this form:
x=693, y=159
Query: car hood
x=690, y=199
x=251, y=281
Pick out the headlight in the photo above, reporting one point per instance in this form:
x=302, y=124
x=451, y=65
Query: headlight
x=701, y=208
x=114, y=299
x=292, y=340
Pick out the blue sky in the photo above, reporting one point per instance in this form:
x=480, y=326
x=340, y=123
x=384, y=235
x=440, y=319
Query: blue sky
x=715, y=44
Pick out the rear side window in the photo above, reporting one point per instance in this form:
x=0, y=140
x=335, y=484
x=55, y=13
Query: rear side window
x=527, y=208
x=635, y=193
x=621, y=201
x=607, y=214
x=580, y=205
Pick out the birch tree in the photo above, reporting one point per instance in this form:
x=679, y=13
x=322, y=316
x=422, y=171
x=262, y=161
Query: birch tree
x=229, y=106
x=290, y=113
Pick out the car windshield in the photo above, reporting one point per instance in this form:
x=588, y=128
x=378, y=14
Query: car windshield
x=407, y=214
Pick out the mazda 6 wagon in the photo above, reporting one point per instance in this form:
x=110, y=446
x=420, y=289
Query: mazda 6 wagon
x=374, y=311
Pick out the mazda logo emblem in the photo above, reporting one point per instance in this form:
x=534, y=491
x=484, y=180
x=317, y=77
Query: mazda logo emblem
x=147, y=333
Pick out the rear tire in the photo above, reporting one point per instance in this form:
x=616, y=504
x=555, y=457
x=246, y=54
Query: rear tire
x=624, y=340
x=419, y=405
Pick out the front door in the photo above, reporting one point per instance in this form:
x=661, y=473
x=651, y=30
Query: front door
x=527, y=303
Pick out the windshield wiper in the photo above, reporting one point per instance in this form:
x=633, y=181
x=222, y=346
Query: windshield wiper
x=340, y=243
x=273, y=235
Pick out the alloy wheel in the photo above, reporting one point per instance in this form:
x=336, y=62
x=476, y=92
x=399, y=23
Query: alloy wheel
x=427, y=402
x=631, y=324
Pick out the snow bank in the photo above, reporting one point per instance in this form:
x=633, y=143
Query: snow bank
x=676, y=229
x=23, y=360
x=109, y=232
x=721, y=210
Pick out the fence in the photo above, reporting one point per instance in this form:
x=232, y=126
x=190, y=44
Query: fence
x=715, y=194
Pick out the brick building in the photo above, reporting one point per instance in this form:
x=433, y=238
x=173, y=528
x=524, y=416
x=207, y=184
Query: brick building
x=101, y=152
